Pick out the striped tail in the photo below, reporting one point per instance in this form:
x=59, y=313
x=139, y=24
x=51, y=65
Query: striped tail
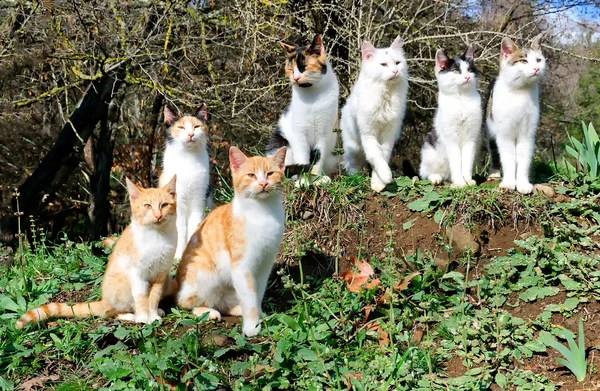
x=62, y=310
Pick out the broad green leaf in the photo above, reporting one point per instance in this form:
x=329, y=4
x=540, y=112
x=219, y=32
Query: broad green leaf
x=290, y=322
x=536, y=292
x=307, y=355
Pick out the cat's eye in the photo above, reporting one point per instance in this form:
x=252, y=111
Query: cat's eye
x=251, y=175
x=523, y=61
x=147, y=206
x=269, y=173
x=456, y=71
x=539, y=60
x=397, y=62
x=383, y=64
x=163, y=205
x=197, y=126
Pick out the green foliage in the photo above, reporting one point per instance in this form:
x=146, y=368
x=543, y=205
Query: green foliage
x=587, y=156
x=574, y=355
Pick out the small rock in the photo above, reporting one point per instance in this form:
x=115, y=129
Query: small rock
x=461, y=239
x=307, y=215
x=546, y=190
x=215, y=339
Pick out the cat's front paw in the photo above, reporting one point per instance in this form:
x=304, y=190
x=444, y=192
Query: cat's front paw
x=376, y=184
x=470, y=182
x=160, y=312
x=212, y=314
x=494, y=174
x=507, y=185
x=251, y=329
x=435, y=179
x=126, y=317
x=153, y=317
x=459, y=183
x=142, y=318
x=321, y=180
x=385, y=174
x=524, y=187
x=303, y=181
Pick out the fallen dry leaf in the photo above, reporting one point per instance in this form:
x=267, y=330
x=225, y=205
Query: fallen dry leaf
x=398, y=287
x=355, y=281
x=384, y=337
x=39, y=381
x=357, y=376
x=418, y=332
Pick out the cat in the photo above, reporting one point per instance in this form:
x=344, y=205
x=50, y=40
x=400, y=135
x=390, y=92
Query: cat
x=306, y=127
x=227, y=262
x=186, y=155
x=450, y=148
x=137, y=274
x=372, y=116
x=513, y=113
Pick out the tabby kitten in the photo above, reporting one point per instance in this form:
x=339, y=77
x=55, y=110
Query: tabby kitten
x=186, y=156
x=450, y=149
x=372, y=117
x=513, y=113
x=137, y=274
x=306, y=127
x=227, y=262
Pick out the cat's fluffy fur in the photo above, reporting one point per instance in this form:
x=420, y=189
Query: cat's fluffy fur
x=372, y=116
x=186, y=155
x=227, y=262
x=306, y=127
x=450, y=149
x=137, y=274
x=513, y=113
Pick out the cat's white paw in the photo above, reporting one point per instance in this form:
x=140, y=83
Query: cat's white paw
x=385, y=174
x=494, y=174
x=435, y=179
x=507, y=185
x=303, y=181
x=524, y=187
x=153, y=317
x=321, y=180
x=212, y=314
x=458, y=183
x=141, y=318
x=251, y=329
x=126, y=317
x=160, y=312
x=236, y=311
x=470, y=182
x=376, y=184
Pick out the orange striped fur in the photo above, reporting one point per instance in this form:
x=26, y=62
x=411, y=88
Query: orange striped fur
x=226, y=264
x=137, y=274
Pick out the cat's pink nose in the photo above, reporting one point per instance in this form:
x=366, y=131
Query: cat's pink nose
x=468, y=78
x=191, y=135
x=395, y=71
x=536, y=70
x=158, y=217
x=296, y=78
x=263, y=184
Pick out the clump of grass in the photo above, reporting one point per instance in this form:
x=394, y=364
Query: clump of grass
x=574, y=355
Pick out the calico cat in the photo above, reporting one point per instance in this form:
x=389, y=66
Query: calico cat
x=186, y=155
x=513, y=113
x=227, y=262
x=306, y=127
x=137, y=274
x=372, y=116
x=450, y=148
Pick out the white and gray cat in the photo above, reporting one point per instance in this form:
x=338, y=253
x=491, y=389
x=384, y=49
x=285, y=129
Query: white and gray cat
x=372, y=116
x=450, y=148
x=306, y=127
x=513, y=113
x=186, y=155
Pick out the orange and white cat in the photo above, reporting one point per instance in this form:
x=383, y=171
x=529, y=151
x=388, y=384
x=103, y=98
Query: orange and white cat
x=137, y=274
x=227, y=262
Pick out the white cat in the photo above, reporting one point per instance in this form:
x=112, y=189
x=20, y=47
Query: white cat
x=186, y=156
x=513, y=113
x=450, y=149
x=372, y=116
x=306, y=127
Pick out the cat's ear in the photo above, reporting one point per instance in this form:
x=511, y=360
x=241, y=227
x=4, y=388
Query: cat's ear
x=202, y=113
x=469, y=53
x=508, y=47
x=316, y=47
x=368, y=50
x=441, y=60
x=279, y=158
x=133, y=190
x=398, y=43
x=287, y=48
x=171, y=187
x=536, y=44
x=236, y=159
x=169, y=116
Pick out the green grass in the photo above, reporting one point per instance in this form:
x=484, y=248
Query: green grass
x=317, y=334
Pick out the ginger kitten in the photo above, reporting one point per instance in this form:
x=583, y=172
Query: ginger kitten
x=137, y=274
x=186, y=156
x=227, y=262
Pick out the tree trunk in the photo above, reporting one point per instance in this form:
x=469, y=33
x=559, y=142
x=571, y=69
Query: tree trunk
x=65, y=155
x=100, y=181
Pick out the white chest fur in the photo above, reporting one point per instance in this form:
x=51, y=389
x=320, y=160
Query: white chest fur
x=155, y=247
